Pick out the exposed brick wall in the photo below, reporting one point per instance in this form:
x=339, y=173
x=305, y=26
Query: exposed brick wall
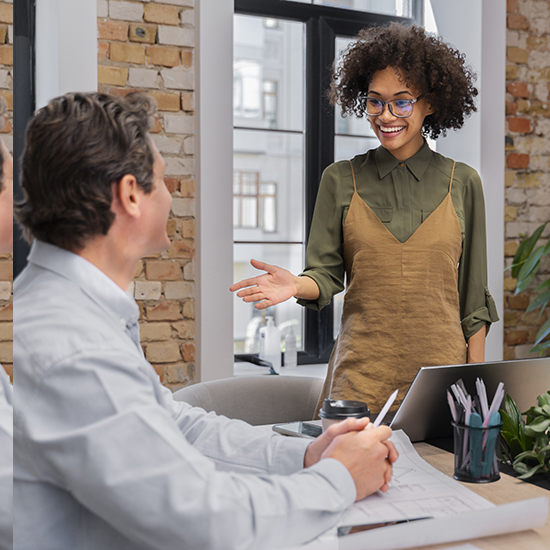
x=527, y=156
x=6, y=261
x=149, y=46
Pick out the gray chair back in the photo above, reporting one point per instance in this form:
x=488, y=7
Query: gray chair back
x=257, y=399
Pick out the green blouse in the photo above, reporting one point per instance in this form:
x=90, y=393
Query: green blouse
x=403, y=195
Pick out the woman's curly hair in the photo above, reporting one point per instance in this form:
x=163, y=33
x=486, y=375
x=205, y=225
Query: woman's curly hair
x=423, y=60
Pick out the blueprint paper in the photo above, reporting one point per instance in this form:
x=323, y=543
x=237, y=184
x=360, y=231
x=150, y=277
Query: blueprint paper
x=417, y=490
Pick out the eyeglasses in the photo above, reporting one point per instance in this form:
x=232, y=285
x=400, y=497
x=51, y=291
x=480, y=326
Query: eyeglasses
x=401, y=108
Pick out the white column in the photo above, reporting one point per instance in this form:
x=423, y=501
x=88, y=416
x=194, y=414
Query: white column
x=66, y=48
x=214, y=111
x=478, y=29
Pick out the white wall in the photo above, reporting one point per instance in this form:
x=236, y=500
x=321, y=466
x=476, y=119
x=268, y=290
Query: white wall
x=214, y=111
x=66, y=48
x=478, y=29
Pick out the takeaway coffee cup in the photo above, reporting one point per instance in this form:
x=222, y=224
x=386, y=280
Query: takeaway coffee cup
x=336, y=411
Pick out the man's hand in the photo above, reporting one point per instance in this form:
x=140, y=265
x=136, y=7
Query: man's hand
x=367, y=454
x=318, y=447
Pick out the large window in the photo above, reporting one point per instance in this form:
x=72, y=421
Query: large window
x=285, y=134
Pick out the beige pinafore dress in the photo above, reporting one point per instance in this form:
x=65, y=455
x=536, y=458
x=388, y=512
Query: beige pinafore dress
x=401, y=308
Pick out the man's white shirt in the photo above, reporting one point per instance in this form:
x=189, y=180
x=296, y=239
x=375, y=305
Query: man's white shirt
x=104, y=458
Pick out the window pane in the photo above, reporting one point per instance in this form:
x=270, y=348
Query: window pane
x=347, y=147
x=268, y=73
x=400, y=8
x=276, y=160
x=247, y=319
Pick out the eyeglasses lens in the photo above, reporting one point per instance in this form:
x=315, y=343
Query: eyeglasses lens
x=398, y=107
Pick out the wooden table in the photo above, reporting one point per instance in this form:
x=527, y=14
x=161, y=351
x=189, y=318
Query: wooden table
x=507, y=489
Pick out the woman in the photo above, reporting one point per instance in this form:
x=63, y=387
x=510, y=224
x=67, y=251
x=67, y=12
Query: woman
x=405, y=224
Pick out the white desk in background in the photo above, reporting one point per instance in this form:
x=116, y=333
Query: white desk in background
x=249, y=369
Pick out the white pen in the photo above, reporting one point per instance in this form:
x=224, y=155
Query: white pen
x=385, y=409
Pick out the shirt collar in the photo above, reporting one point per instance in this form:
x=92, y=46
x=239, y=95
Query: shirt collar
x=91, y=280
x=417, y=164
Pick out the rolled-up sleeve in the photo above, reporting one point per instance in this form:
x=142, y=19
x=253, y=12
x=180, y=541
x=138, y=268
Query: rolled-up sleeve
x=477, y=307
x=324, y=260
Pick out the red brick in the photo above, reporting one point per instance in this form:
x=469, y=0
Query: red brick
x=517, y=22
x=171, y=227
x=187, y=101
x=167, y=101
x=187, y=58
x=187, y=188
x=165, y=311
x=163, y=270
x=518, y=161
x=128, y=53
x=511, y=108
x=117, y=76
x=6, y=352
x=512, y=5
x=516, y=337
x=521, y=301
x=508, y=354
x=103, y=50
x=6, y=271
x=519, y=125
x=188, y=352
x=140, y=32
x=8, y=97
x=112, y=30
x=518, y=89
x=181, y=249
x=123, y=92
x=3, y=34
x=159, y=55
x=6, y=13
x=165, y=15
x=6, y=313
x=172, y=184
x=188, y=229
x=6, y=55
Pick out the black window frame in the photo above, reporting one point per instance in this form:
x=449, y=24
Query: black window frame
x=323, y=25
x=24, y=16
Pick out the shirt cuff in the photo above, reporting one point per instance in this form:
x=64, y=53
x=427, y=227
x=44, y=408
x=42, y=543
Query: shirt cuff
x=339, y=477
x=325, y=296
x=485, y=315
x=290, y=455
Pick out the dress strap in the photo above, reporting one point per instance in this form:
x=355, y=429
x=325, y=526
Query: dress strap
x=452, y=174
x=353, y=176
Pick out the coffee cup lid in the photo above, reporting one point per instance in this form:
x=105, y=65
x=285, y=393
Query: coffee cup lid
x=341, y=409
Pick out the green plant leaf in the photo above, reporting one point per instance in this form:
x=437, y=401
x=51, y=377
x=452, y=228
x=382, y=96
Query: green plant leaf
x=526, y=454
x=544, y=285
x=538, y=426
x=530, y=472
x=543, y=332
x=540, y=300
x=543, y=399
x=540, y=347
x=524, y=250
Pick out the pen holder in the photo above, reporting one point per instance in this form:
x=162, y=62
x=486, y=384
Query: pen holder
x=475, y=450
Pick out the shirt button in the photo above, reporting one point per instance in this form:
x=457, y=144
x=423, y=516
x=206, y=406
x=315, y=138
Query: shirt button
x=402, y=164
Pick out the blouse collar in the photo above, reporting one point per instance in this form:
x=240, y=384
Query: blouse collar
x=417, y=164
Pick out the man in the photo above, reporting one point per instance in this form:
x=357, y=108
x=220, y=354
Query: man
x=6, y=410
x=104, y=457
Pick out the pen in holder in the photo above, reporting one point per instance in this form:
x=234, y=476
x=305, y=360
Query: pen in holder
x=475, y=449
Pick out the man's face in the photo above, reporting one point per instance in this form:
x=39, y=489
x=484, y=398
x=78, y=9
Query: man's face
x=156, y=206
x=6, y=203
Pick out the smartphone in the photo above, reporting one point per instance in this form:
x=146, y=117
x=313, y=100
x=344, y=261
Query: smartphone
x=351, y=529
x=299, y=429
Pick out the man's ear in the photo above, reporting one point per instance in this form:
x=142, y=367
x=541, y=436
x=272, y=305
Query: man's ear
x=127, y=196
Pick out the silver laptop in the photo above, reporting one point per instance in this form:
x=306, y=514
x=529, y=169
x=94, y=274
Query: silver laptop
x=424, y=412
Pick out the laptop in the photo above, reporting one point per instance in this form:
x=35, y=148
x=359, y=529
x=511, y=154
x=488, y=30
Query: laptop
x=424, y=412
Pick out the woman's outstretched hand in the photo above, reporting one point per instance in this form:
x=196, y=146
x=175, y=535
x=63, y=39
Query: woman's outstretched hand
x=269, y=289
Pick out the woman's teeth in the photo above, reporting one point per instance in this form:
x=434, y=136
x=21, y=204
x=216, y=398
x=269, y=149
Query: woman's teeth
x=391, y=129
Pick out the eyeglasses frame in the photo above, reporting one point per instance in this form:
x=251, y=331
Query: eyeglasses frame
x=388, y=103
